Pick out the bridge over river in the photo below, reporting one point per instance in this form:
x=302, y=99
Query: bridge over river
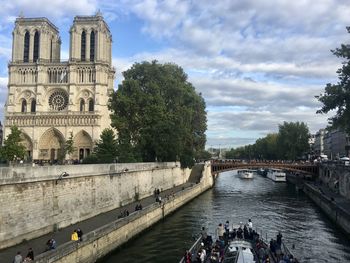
x=296, y=168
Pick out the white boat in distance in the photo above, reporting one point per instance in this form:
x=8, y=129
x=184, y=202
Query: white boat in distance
x=246, y=174
x=276, y=175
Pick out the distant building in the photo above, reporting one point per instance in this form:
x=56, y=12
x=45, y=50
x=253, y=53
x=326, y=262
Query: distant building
x=336, y=144
x=1, y=135
x=318, y=147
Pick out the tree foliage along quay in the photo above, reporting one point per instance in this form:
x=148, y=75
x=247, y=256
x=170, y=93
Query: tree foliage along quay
x=290, y=143
x=158, y=115
x=337, y=96
x=12, y=148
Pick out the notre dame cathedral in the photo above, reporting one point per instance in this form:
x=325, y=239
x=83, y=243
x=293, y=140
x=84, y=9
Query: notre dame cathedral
x=51, y=100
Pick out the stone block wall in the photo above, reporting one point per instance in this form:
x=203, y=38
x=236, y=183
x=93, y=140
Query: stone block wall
x=33, y=202
x=336, y=177
x=100, y=242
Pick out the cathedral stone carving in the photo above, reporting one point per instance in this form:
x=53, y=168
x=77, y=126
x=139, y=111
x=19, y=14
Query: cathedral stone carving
x=50, y=100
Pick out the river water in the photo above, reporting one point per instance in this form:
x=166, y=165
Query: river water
x=272, y=207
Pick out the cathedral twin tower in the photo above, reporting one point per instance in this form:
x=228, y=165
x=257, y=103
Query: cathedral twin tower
x=51, y=100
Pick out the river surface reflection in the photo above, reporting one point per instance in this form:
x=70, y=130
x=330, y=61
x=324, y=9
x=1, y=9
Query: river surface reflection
x=271, y=206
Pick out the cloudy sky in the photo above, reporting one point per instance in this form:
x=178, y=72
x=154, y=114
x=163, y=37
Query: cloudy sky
x=257, y=63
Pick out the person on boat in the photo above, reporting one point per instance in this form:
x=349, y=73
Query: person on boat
x=234, y=233
x=279, y=238
x=204, y=234
x=227, y=227
x=262, y=253
x=245, y=232
x=282, y=259
x=220, y=231
x=188, y=257
x=266, y=259
x=250, y=224
x=273, y=247
x=240, y=233
x=202, y=255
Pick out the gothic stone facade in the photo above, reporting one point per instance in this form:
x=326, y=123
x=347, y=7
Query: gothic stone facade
x=51, y=100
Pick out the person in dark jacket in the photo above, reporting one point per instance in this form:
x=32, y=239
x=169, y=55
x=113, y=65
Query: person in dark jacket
x=30, y=254
x=80, y=234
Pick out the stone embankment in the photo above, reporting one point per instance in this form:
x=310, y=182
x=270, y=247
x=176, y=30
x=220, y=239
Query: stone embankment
x=105, y=232
x=38, y=200
x=330, y=191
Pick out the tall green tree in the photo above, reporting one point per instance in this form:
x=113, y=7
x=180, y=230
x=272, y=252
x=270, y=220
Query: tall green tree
x=106, y=148
x=293, y=140
x=68, y=148
x=12, y=147
x=158, y=114
x=337, y=96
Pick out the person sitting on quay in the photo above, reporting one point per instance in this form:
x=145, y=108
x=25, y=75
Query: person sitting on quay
x=30, y=253
x=159, y=199
x=50, y=244
x=80, y=234
x=138, y=207
x=74, y=236
x=126, y=213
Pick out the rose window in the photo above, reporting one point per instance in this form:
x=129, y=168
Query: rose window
x=58, y=100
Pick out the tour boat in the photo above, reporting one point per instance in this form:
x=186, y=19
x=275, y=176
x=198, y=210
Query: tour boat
x=235, y=250
x=276, y=175
x=246, y=174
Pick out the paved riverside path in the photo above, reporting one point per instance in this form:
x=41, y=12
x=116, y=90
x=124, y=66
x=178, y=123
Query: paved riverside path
x=64, y=235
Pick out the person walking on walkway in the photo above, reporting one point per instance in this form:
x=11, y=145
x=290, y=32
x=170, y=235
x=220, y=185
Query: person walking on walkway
x=18, y=258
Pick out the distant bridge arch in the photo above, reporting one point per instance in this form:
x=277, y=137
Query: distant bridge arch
x=300, y=168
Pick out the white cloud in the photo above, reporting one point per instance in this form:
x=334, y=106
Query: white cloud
x=257, y=63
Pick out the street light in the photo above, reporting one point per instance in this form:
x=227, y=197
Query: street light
x=64, y=174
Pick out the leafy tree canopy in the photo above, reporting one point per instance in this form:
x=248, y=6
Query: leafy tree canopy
x=12, y=147
x=291, y=142
x=158, y=115
x=337, y=96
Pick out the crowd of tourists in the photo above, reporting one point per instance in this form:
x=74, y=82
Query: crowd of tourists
x=214, y=251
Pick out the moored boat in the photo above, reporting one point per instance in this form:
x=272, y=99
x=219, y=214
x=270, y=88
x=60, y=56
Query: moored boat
x=246, y=174
x=276, y=175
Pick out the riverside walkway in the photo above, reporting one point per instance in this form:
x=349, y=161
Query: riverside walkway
x=64, y=235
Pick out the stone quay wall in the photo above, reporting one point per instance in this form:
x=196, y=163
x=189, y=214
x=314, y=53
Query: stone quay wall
x=338, y=214
x=100, y=242
x=34, y=201
x=336, y=177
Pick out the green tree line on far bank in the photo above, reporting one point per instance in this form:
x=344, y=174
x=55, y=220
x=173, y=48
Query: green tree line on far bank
x=290, y=143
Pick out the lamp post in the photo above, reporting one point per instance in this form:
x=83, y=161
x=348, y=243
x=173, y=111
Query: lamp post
x=64, y=174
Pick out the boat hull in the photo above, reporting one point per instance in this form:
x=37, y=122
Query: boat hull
x=277, y=176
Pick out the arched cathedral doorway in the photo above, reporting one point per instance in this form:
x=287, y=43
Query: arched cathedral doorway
x=28, y=144
x=82, y=145
x=50, y=145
